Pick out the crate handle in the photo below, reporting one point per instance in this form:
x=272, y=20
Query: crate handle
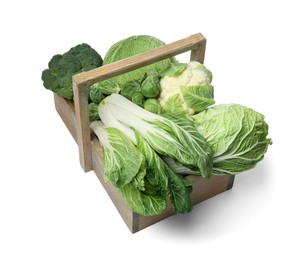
x=82, y=81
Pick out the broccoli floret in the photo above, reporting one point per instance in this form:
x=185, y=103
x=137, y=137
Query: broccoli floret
x=61, y=68
x=55, y=59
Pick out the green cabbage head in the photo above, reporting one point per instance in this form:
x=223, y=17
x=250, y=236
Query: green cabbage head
x=236, y=134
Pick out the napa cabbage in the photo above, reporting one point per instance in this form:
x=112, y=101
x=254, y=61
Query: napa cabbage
x=175, y=136
x=236, y=134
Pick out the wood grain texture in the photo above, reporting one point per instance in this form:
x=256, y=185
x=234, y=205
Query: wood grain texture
x=82, y=81
x=65, y=109
x=202, y=188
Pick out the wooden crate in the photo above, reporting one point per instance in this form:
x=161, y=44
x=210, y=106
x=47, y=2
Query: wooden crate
x=75, y=116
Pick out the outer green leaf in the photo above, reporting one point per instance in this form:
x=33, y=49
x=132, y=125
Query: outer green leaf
x=162, y=176
x=139, y=202
x=93, y=112
x=139, y=180
x=198, y=98
x=155, y=169
x=122, y=161
x=173, y=106
x=131, y=88
x=174, y=70
x=180, y=190
x=198, y=147
x=95, y=93
x=152, y=105
x=138, y=99
x=150, y=86
x=107, y=87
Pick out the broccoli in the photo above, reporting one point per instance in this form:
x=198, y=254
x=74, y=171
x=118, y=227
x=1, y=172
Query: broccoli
x=58, y=77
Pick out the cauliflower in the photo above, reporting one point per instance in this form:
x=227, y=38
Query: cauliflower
x=181, y=93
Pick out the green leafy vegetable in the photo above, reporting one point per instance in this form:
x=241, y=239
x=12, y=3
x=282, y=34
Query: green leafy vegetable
x=142, y=203
x=174, y=70
x=93, y=112
x=173, y=106
x=147, y=191
x=171, y=184
x=176, y=81
x=150, y=87
x=125, y=166
x=131, y=88
x=152, y=105
x=138, y=99
x=198, y=98
x=237, y=135
x=121, y=159
x=95, y=93
x=108, y=87
x=131, y=46
x=176, y=138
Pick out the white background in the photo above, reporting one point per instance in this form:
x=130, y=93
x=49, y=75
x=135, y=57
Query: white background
x=50, y=209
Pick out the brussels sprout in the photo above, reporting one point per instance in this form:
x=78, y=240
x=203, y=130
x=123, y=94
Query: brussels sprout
x=130, y=89
x=138, y=99
x=150, y=86
x=93, y=112
x=152, y=105
x=108, y=87
x=95, y=93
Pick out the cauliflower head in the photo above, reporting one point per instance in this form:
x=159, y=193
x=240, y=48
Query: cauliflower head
x=181, y=93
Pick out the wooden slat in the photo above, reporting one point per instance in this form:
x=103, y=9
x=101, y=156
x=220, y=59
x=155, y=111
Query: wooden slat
x=203, y=189
x=65, y=108
x=197, y=54
x=82, y=82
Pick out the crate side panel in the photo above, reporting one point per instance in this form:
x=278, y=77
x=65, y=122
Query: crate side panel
x=113, y=193
x=206, y=188
x=202, y=189
x=65, y=109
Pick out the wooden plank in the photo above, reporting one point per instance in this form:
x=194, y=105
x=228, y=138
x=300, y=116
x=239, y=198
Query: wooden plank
x=82, y=125
x=65, y=108
x=117, y=200
x=203, y=189
x=198, y=54
x=82, y=82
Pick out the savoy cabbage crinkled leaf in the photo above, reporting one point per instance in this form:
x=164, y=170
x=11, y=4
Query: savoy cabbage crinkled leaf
x=132, y=46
